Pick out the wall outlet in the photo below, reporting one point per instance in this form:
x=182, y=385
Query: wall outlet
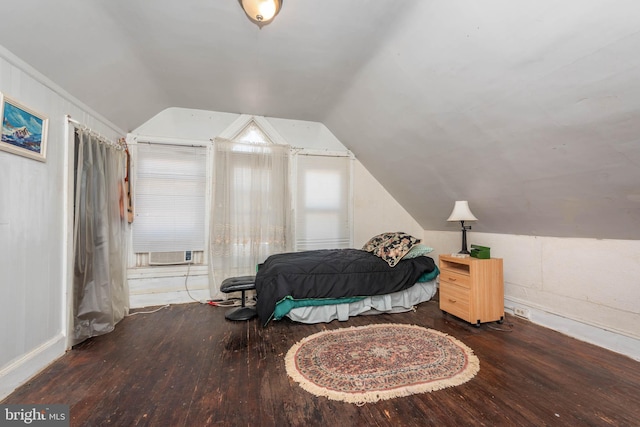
x=521, y=312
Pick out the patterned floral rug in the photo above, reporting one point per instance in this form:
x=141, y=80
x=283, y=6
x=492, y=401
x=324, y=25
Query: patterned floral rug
x=377, y=362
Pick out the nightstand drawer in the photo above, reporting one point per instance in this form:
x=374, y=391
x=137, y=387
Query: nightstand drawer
x=454, y=299
x=454, y=277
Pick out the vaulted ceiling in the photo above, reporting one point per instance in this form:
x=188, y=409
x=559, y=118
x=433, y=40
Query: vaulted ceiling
x=530, y=110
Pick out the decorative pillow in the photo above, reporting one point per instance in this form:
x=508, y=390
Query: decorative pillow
x=418, y=250
x=391, y=247
x=377, y=241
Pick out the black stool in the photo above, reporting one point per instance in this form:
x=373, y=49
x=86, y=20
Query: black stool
x=239, y=284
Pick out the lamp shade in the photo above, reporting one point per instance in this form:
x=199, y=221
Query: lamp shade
x=461, y=212
x=261, y=11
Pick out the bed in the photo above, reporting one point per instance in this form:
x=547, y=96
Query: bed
x=391, y=273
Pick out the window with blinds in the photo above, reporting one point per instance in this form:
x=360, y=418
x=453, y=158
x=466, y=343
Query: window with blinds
x=323, y=202
x=170, y=198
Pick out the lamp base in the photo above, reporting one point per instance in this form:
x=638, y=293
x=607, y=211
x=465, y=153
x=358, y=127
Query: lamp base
x=464, y=249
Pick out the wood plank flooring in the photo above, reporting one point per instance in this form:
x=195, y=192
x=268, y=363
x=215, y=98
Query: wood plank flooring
x=185, y=365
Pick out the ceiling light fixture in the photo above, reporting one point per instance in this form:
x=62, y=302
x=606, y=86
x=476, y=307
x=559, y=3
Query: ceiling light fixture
x=261, y=12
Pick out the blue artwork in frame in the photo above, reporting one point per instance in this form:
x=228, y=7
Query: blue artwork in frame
x=24, y=131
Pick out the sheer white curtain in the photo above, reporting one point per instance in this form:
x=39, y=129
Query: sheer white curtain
x=100, y=290
x=251, y=208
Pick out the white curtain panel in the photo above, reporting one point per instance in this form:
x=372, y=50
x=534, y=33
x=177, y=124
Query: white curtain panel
x=251, y=208
x=100, y=290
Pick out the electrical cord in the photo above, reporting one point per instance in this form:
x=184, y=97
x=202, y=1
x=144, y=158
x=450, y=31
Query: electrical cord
x=186, y=287
x=231, y=302
x=508, y=329
x=149, y=312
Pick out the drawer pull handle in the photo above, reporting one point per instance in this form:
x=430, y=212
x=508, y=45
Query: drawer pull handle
x=453, y=279
x=452, y=300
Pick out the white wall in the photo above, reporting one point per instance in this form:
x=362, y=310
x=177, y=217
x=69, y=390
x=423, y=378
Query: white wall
x=585, y=288
x=202, y=125
x=34, y=229
x=375, y=211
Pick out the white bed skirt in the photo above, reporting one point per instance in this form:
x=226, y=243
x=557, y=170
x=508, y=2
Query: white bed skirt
x=397, y=302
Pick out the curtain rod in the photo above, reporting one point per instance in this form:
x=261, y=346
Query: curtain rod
x=118, y=143
x=168, y=140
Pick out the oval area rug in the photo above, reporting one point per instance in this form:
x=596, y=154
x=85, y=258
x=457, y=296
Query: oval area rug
x=377, y=362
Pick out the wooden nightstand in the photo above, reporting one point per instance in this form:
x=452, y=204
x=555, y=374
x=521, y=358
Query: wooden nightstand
x=472, y=289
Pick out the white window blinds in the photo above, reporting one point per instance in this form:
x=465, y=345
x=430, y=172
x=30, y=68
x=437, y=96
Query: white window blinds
x=323, y=208
x=170, y=198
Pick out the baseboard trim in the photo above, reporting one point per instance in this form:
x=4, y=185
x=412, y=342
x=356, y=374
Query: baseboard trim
x=582, y=331
x=163, y=298
x=24, y=368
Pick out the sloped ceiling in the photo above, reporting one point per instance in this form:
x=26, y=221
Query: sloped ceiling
x=530, y=110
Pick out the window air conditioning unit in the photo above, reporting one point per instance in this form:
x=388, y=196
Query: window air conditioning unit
x=170, y=258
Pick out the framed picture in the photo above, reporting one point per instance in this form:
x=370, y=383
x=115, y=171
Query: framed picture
x=24, y=131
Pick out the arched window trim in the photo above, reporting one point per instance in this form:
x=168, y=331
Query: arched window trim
x=234, y=129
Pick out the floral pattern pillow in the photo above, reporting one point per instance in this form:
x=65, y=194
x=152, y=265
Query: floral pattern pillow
x=376, y=241
x=391, y=247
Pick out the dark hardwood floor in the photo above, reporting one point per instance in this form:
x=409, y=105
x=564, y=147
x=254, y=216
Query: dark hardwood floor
x=185, y=365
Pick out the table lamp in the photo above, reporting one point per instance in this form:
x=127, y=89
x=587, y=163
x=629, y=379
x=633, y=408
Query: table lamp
x=462, y=213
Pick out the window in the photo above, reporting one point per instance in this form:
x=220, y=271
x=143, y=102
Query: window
x=323, y=194
x=170, y=198
x=252, y=134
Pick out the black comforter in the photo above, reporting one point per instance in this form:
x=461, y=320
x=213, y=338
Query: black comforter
x=332, y=273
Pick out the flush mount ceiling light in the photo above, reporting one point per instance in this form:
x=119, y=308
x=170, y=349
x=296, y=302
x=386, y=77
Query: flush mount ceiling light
x=261, y=12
